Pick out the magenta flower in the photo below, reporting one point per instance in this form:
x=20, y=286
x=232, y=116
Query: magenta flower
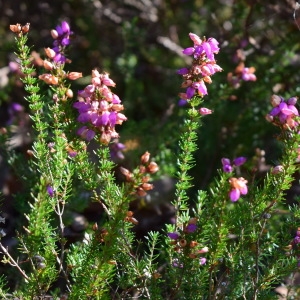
x=174, y=235
x=99, y=109
x=182, y=102
x=190, y=228
x=283, y=112
x=202, y=261
x=86, y=133
x=50, y=190
x=239, y=160
x=116, y=149
x=238, y=188
x=204, y=66
x=205, y=111
x=200, y=86
x=248, y=74
x=241, y=73
x=61, y=35
x=205, y=48
x=228, y=167
x=183, y=71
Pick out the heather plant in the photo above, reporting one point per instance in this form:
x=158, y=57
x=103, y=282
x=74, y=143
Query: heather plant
x=225, y=241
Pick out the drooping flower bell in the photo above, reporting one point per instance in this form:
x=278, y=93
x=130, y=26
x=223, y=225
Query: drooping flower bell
x=238, y=188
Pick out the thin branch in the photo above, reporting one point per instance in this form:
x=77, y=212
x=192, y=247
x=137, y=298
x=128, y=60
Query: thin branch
x=13, y=262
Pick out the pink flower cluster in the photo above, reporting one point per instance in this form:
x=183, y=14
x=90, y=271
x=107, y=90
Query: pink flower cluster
x=99, y=109
x=284, y=112
x=204, y=65
x=241, y=73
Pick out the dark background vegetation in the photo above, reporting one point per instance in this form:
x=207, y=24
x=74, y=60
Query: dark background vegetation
x=139, y=43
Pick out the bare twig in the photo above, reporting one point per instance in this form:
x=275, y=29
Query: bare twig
x=13, y=262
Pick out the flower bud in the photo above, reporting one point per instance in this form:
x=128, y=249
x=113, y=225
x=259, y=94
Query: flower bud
x=74, y=75
x=203, y=250
x=15, y=28
x=105, y=138
x=275, y=100
x=269, y=118
x=192, y=221
x=186, y=83
x=145, y=157
x=193, y=244
x=292, y=101
x=96, y=81
x=50, y=52
x=125, y=172
x=145, y=178
x=48, y=65
x=129, y=213
x=95, y=73
x=140, y=192
x=25, y=28
x=133, y=221
x=207, y=79
x=152, y=167
x=69, y=93
x=205, y=111
x=142, y=169
x=49, y=79
x=117, y=107
x=195, y=38
x=3, y=130
x=147, y=186
x=278, y=169
x=182, y=96
x=54, y=34
x=30, y=153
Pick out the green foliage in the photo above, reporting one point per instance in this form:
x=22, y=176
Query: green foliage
x=214, y=248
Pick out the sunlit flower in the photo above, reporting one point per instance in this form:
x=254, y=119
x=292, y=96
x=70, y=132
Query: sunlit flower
x=283, y=112
x=203, y=67
x=205, y=111
x=99, y=108
x=238, y=188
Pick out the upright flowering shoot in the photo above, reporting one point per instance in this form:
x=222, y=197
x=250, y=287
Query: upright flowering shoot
x=55, y=62
x=61, y=35
x=99, y=109
x=203, y=66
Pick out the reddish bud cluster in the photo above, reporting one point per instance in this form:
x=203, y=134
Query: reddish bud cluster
x=139, y=178
x=183, y=243
x=129, y=218
x=19, y=29
x=100, y=233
